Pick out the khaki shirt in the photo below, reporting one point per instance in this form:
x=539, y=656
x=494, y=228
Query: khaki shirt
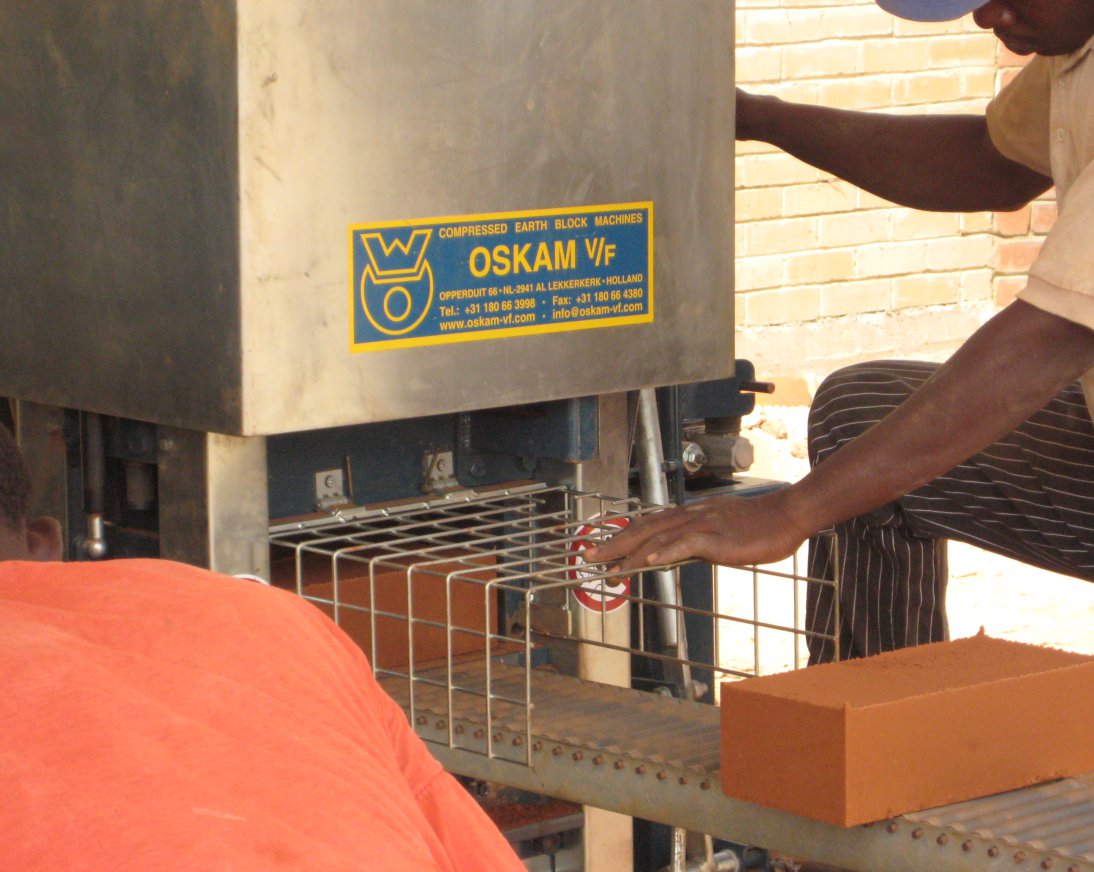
x=1044, y=119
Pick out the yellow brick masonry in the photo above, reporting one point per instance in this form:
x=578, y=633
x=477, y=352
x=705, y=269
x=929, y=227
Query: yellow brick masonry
x=816, y=257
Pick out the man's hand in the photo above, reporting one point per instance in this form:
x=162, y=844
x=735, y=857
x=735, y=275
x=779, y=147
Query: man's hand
x=730, y=531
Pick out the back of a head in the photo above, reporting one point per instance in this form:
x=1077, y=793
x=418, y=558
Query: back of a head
x=14, y=482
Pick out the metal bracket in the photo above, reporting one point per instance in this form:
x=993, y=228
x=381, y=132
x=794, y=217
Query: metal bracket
x=330, y=489
x=439, y=472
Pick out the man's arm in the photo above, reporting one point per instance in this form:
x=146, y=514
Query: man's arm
x=940, y=163
x=1007, y=370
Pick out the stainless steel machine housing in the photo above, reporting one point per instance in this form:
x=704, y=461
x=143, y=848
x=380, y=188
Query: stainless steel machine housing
x=179, y=179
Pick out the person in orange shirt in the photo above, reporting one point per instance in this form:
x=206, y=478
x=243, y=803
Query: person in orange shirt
x=159, y=716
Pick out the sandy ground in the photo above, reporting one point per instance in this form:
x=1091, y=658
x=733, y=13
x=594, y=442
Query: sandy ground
x=1008, y=599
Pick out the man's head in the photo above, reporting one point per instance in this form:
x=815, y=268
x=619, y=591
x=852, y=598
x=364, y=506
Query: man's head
x=21, y=539
x=1046, y=27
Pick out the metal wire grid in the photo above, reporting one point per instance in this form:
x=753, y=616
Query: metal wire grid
x=503, y=565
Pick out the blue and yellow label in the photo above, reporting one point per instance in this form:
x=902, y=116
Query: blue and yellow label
x=469, y=277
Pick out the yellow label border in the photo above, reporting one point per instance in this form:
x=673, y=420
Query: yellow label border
x=486, y=334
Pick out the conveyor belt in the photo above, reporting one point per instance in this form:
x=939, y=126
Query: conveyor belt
x=657, y=758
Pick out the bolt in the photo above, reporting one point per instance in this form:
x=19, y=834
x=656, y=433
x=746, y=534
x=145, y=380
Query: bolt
x=619, y=764
x=966, y=846
x=578, y=756
x=479, y=733
x=683, y=779
x=917, y=833
x=458, y=728
x=943, y=839
x=518, y=740
x=421, y=720
x=1020, y=857
x=1047, y=863
x=597, y=760
x=661, y=776
x=556, y=752
x=891, y=828
x=640, y=769
x=537, y=746
x=993, y=851
x=497, y=737
x=704, y=785
x=328, y=481
x=441, y=725
x=692, y=457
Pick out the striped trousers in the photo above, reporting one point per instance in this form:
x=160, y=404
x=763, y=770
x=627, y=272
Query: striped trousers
x=1030, y=497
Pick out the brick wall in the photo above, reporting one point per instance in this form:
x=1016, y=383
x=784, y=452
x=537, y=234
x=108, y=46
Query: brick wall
x=828, y=274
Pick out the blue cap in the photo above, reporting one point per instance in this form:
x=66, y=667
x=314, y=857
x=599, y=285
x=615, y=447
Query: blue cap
x=930, y=10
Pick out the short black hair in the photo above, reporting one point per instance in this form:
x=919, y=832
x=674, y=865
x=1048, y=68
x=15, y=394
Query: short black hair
x=14, y=481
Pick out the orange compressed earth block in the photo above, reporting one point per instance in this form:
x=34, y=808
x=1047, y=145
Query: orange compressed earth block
x=448, y=590
x=867, y=739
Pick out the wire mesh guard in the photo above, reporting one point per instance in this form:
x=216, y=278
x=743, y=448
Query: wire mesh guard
x=474, y=609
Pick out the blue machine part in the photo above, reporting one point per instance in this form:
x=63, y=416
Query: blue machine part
x=383, y=462
x=721, y=398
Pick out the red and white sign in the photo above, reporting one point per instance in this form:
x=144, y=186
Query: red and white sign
x=597, y=594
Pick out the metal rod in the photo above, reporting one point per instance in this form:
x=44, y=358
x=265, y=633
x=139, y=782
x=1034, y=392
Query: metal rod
x=94, y=543
x=679, y=849
x=655, y=489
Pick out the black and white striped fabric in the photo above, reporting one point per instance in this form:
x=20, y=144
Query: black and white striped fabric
x=1029, y=497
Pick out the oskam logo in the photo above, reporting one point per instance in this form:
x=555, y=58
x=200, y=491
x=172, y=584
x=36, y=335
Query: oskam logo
x=396, y=284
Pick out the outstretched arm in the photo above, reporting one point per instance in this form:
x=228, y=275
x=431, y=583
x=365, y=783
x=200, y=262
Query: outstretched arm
x=1007, y=370
x=940, y=163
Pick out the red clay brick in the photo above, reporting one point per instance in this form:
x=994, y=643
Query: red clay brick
x=1013, y=223
x=1012, y=257
x=1043, y=216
